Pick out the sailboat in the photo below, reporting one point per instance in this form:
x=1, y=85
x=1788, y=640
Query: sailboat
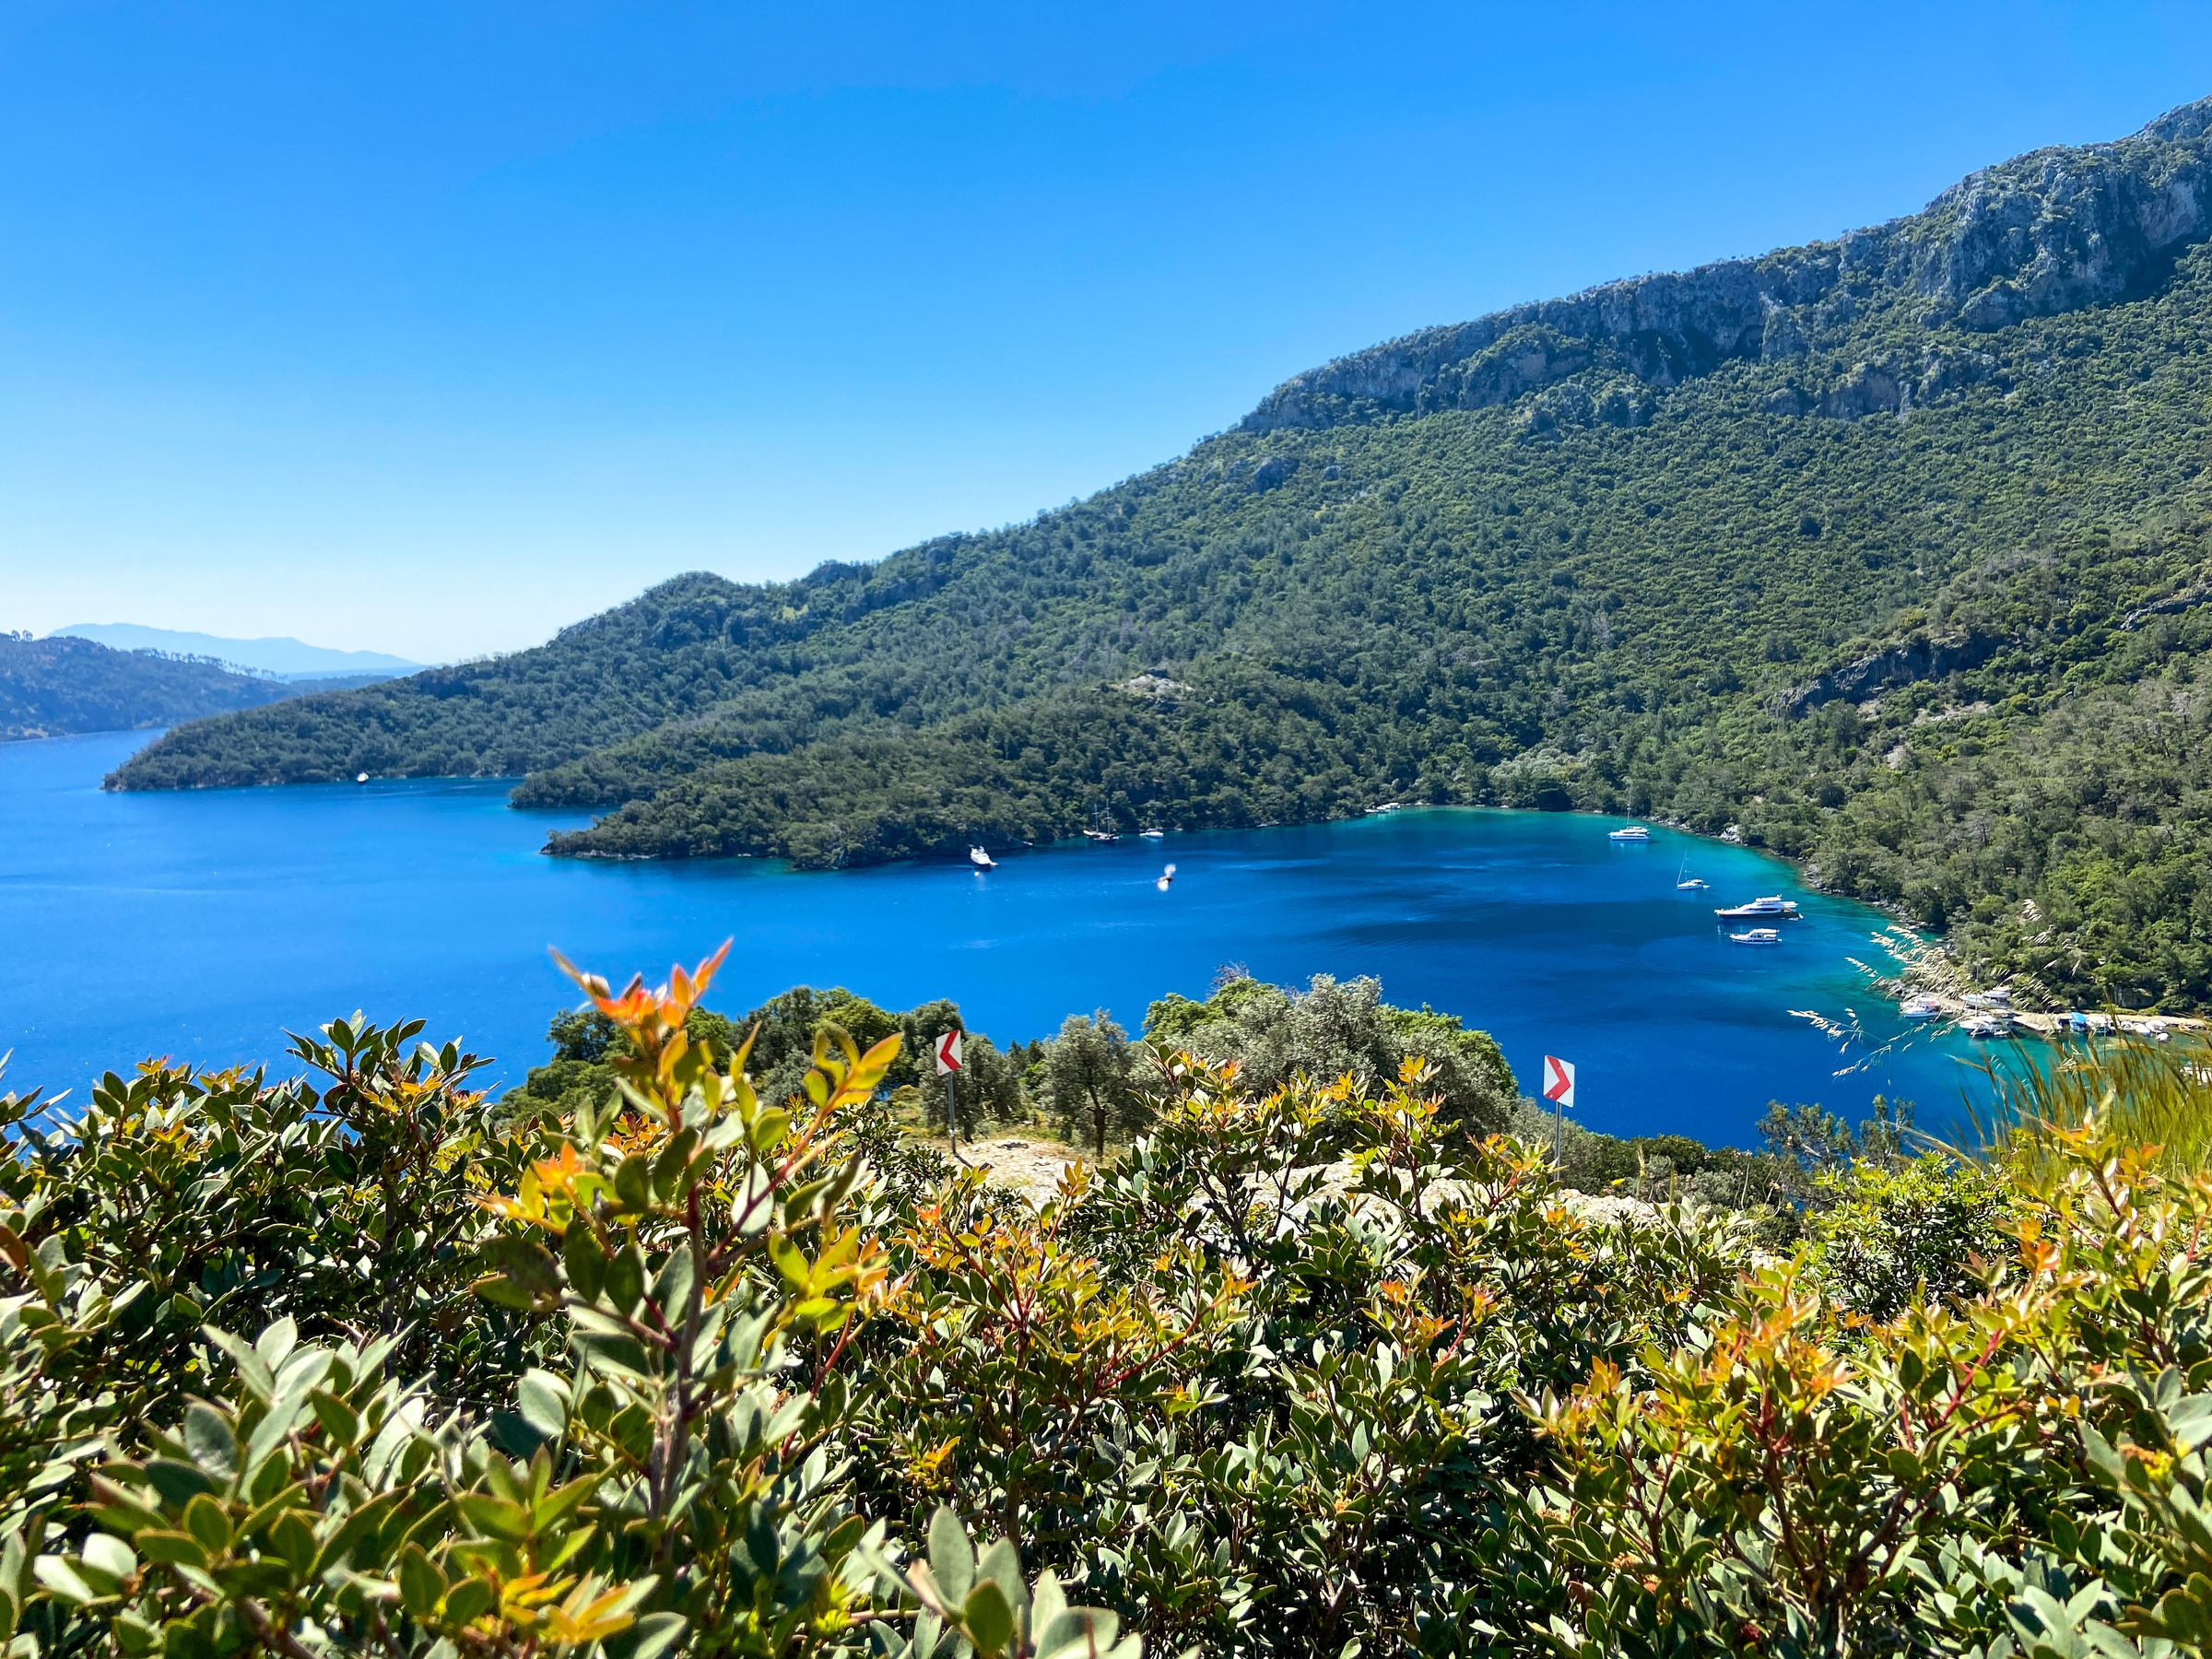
x=980, y=859
x=1685, y=882
x=1634, y=833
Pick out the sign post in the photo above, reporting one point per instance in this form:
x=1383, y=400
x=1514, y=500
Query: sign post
x=948, y=1062
x=1558, y=1088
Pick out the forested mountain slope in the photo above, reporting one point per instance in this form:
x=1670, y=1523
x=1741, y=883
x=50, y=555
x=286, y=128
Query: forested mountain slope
x=1889, y=551
x=53, y=687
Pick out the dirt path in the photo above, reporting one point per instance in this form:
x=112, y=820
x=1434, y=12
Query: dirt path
x=1029, y=1164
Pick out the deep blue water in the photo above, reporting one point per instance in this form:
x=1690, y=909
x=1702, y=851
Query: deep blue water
x=200, y=924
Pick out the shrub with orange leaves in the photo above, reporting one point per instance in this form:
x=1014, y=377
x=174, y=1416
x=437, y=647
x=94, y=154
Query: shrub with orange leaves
x=356, y=1365
x=667, y=1490
x=2016, y=1471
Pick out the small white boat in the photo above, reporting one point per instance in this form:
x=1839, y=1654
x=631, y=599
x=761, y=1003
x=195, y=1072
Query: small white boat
x=1756, y=935
x=1687, y=882
x=1923, y=1006
x=362, y=778
x=1151, y=834
x=980, y=859
x=1167, y=878
x=1634, y=833
x=1771, y=905
x=1386, y=807
x=1987, y=1025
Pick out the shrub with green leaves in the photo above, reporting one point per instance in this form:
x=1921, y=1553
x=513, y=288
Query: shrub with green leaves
x=355, y=1362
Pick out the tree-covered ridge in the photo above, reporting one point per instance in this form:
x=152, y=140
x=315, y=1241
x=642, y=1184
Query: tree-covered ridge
x=1768, y=586
x=54, y=687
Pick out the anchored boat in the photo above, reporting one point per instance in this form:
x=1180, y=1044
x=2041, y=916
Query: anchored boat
x=1634, y=833
x=1756, y=935
x=1771, y=905
x=980, y=859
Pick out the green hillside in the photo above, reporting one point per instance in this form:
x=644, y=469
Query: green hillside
x=53, y=687
x=1886, y=552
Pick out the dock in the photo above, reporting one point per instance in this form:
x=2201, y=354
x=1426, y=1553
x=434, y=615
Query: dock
x=2102, y=1023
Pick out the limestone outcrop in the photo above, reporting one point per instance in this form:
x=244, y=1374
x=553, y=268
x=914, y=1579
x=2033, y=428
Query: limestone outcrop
x=2054, y=231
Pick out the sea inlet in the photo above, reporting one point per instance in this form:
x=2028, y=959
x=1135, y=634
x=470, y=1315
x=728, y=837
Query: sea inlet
x=203, y=925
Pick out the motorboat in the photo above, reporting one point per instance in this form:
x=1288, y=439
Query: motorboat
x=1634, y=833
x=1386, y=807
x=1987, y=1025
x=1923, y=1006
x=362, y=778
x=1151, y=834
x=1773, y=905
x=980, y=859
x=1756, y=935
x=1989, y=999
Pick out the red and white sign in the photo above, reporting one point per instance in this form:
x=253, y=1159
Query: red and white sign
x=1558, y=1082
x=948, y=1054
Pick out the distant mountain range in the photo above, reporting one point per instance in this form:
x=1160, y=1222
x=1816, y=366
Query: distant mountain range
x=286, y=658
x=59, y=686
x=1888, y=553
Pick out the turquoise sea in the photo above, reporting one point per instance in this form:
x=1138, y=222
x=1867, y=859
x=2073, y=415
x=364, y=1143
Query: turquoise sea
x=201, y=924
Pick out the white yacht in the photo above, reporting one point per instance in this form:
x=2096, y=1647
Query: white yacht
x=1987, y=1025
x=1771, y=905
x=980, y=859
x=1151, y=834
x=1634, y=833
x=1923, y=1006
x=1756, y=935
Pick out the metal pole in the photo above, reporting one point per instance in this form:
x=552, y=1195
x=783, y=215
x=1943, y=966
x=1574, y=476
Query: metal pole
x=952, y=1118
x=1558, y=1130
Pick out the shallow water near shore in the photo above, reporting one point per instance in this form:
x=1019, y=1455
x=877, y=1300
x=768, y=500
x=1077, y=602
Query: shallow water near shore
x=201, y=924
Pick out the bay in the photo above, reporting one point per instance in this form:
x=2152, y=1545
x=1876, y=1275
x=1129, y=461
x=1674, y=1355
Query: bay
x=202, y=925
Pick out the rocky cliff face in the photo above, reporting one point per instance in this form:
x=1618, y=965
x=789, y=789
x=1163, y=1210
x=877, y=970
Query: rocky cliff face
x=2052, y=231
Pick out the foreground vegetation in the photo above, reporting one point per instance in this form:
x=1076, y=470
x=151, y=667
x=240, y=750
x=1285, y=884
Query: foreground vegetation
x=1905, y=581
x=360, y=1361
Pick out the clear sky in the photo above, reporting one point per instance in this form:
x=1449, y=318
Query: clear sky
x=429, y=328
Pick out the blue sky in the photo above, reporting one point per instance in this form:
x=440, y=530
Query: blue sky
x=428, y=329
